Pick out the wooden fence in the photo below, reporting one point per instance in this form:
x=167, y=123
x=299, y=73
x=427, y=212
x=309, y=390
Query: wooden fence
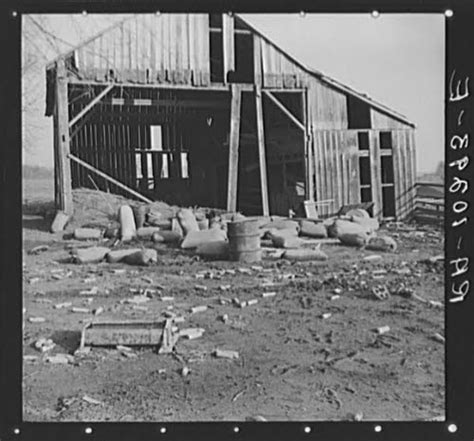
x=429, y=209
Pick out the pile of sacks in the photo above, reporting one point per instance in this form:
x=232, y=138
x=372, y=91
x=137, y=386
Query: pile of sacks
x=205, y=233
x=356, y=228
x=285, y=233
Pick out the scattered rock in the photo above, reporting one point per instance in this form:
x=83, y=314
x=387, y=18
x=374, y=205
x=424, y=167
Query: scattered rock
x=196, y=309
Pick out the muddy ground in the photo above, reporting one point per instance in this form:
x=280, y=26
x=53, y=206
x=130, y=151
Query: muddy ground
x=293, y=365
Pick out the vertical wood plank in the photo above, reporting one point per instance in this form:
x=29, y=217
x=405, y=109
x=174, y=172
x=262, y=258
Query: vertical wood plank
x=403, y=177
x=411, y=138
x=228, y=44
x=236, y=98
x=257, y=60
x=339, y=176
x=261, y=151
x=61, y=115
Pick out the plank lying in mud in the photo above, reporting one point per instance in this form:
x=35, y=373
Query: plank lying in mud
x=126, y=333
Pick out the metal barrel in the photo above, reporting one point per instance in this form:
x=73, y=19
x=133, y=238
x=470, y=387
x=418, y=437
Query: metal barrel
x=244, y=241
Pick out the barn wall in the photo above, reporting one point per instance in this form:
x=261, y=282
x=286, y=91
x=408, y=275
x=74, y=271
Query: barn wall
x=147, y=48
x=337, y=171
x=382, y=121
x=327, y=107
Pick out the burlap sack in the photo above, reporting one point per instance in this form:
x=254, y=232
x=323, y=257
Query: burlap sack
x=187, y=220
x=312, y=229
x=382, y=243
x=195, y=238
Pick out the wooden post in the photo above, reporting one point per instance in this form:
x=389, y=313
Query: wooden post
x=261, y=151
x=308, y=149
x=228, y=44
x=236, y=98
x=63, y=199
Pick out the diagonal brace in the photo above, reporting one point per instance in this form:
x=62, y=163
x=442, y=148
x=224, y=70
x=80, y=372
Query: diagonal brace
x=90, y=105
x=284, y=109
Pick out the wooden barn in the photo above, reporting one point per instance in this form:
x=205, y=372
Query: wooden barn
x=202, y=109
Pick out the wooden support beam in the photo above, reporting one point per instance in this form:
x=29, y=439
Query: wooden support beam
x=282, y=107
x=308, y=148
x=216, y=88
x=63, y=186
x=261, y=151
x=228, y=44
x=109, y=178
x=232, y=182
x=91, y=105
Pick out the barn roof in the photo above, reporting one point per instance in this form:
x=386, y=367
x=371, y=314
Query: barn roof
x=327, y=80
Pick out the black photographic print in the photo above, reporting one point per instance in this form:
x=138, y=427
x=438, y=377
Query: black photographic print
x=233, y=221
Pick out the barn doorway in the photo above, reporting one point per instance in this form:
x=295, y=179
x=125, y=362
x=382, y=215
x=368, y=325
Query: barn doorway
x=284, y=154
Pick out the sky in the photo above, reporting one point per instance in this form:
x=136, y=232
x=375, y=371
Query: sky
x=396, y=59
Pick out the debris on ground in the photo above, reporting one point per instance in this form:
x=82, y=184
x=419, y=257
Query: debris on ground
x=60, y=359
x=91, y=400
x=196, y=309
x=294, y=294
x=44, y=344
x=439, y=338
x=169, y=338
x=36, y=319
x=381, y=292
x=38, y=249
x=191, y=333
x=222, y=353
x=382, y=330
x=125, y=333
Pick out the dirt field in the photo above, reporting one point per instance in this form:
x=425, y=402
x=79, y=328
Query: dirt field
x=293, y=365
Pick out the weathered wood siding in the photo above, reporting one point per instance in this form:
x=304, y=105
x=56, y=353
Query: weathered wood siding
x=337, y=172
x=147, y=48
x=381, y=121
x=336, y=168
x=278, y=69
x=327, y=107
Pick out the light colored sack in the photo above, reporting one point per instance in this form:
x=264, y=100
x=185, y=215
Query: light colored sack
x=118, y=255
x=166, y=237
x=358, y=212
x=142, y=257
x=304, y=255
x=90, y=255
x=196, y=238
x=312, y=229
x=341, y=226
x=147, y=232
x=382, y=243
x=281, y=240
x=370, y=223
x=128, y=229
x=187, y=220
x=87, y=233
x=358, y=239
x=214, y=250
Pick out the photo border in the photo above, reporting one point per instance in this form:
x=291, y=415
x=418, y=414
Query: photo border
x=459, y=123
